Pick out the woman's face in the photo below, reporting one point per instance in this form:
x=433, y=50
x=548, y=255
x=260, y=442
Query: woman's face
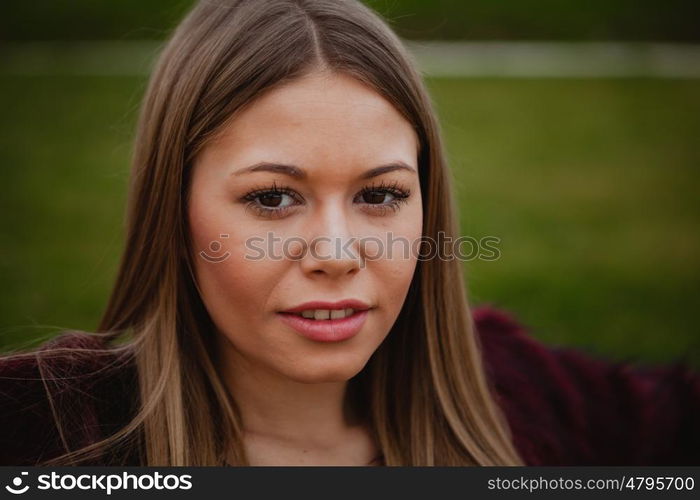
x=245, y=208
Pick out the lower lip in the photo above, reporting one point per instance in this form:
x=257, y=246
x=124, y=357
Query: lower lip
x=326, y=330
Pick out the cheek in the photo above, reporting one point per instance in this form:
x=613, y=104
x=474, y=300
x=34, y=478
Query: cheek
x=232, y=287
x=393, y=276
x=394, y=271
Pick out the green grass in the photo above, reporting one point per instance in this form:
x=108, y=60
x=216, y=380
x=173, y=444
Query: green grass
x=591, y=186
x=65, y=146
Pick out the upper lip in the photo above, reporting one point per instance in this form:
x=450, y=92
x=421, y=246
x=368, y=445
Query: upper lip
x=355, y=304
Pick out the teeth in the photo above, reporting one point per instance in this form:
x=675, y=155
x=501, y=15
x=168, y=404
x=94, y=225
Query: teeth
x=324, y=314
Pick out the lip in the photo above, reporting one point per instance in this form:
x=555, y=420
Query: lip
x=355, y=304
x=327, y=330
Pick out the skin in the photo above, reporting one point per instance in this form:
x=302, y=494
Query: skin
x=292, y=391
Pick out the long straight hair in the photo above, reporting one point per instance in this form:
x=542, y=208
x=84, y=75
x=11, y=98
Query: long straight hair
x=424, y=390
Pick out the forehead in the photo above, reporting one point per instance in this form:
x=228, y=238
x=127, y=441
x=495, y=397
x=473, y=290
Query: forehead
x=320, y=118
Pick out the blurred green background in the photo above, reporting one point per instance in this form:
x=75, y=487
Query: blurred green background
x=670, y=20
x=591, y=184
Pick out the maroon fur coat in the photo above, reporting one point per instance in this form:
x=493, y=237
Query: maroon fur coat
x=564, y=407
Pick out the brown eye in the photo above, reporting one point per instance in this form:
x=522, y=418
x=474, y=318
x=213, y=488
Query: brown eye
x=271, y=200
x=374, y=197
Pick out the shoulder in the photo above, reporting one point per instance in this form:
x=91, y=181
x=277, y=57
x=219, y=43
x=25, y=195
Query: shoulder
x=569, y=407
x=537, y=397
x=72, y=379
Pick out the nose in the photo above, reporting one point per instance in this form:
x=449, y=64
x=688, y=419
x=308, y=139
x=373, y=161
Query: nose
x=331, y=249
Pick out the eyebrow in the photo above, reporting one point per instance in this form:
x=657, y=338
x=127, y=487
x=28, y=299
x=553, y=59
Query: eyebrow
x=298, y=173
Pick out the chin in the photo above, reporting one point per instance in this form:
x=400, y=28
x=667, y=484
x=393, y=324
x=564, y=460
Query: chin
x=326, y=373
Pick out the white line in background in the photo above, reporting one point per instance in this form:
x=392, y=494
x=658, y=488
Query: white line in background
x=434, y=58
x=557, y=59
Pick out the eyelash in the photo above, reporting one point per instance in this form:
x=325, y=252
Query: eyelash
x=399, y=193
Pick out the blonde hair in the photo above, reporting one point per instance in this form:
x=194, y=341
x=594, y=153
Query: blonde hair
x=424, y=390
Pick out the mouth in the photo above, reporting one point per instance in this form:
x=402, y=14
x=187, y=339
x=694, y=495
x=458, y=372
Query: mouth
x=325, y=314
x=326, y=325
x=319, y=310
